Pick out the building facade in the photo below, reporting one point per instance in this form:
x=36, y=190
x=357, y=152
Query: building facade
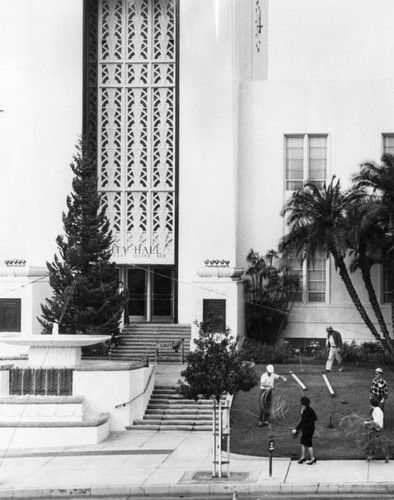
x=203, y=117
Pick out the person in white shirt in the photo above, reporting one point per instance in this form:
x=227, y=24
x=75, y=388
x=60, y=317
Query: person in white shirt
x=375, y=441
x=267, y=383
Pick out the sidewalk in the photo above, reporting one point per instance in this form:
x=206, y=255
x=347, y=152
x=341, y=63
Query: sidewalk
x=149, y=463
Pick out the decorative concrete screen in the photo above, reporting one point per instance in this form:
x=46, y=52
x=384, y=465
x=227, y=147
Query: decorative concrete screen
x=131, y=111
x=41, y=382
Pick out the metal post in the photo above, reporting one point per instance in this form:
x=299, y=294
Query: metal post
x=214, y=438
x=271, y=447
x=219, y=444
x=182, y=352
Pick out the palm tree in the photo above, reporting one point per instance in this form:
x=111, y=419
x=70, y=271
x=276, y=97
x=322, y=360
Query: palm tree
x=380, y=180
x=367, y=242
x=318, y=222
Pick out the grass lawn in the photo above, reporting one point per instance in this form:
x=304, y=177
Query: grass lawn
x=352, y=388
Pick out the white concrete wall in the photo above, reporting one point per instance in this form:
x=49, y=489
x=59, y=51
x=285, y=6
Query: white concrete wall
x=104, y=390
x=330, y=40
x=41, y=94
x=207, y=132
x=31, y=285
x=354, y=114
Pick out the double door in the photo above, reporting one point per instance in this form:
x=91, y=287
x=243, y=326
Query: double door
x=151, y=294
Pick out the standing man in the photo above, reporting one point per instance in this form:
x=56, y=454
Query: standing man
x=379, y=388
x=267, y=383
x=334, y=346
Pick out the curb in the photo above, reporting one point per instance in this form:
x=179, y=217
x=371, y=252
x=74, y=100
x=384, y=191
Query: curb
x=208, y=490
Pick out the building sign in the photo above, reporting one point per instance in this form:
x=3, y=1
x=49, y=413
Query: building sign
x=138, y=255
x=215, y=310
x=10, y=315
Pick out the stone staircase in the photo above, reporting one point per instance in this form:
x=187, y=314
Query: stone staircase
x=167, y=410
x=140, y=340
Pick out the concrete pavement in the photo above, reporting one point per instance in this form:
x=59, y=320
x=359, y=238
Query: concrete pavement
x=151, y=463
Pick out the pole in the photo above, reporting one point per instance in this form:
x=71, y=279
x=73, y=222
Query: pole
x=219, y=444
x=214, y=438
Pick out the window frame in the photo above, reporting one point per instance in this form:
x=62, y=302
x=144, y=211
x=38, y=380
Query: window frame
x=384, y=293
x=306, y=158
x=386, y=136
x=305, y=289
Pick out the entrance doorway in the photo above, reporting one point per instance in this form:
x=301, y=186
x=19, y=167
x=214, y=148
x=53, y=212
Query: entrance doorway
x=151, y=294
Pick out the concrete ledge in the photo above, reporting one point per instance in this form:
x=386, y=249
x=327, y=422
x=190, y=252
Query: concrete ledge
x=86, y=422
x=54, y=435
x=110, y=366
x=40, y=400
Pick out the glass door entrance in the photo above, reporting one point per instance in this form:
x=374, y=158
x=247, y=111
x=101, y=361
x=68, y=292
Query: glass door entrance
x=151, y=294
x=136, y=280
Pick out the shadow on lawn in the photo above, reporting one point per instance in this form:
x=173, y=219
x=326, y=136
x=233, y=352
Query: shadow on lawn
x=352, y=391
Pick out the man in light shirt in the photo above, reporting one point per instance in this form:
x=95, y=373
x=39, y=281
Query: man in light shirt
x=375, y=442
x=267, y=383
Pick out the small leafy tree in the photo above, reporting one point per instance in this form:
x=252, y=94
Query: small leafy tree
x=215, y=368
x=85, y=297
x=270, y=292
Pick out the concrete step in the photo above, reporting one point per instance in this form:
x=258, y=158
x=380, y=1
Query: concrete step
x=167, y=423
x=155, y=427
x=178, y=418
x=183, y=411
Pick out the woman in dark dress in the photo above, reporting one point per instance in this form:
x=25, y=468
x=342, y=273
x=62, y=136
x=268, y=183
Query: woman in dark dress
x=307, y=427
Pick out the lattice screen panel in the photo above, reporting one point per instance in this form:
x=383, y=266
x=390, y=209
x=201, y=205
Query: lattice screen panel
x=135, y=98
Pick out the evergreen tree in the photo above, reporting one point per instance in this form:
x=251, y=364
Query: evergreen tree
x=86, y=298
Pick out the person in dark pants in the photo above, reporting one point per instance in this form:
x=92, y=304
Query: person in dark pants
x=334, y=346
x=307, y=427
x=379, y=388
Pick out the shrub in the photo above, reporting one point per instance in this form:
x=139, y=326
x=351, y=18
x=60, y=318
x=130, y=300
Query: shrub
x=367, y=352
x=261, y=353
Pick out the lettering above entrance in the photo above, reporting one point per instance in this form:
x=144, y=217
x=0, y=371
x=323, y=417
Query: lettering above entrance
x=135, y=255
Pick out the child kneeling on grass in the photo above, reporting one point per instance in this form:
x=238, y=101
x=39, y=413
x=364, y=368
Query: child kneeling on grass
x=375, y=441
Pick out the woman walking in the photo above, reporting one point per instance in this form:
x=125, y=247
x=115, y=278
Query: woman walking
x=307, y=427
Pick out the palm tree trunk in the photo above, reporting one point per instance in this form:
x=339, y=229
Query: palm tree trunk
x=366, y=275
x=344, y=274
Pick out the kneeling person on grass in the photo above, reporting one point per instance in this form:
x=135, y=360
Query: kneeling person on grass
x=374, y=439
x=267, y=383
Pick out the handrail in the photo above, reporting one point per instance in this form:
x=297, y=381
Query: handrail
x=139, y=395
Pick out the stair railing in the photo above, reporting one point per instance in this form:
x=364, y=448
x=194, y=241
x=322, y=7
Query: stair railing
x=141, y=393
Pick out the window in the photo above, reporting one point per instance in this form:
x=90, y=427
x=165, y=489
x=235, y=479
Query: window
x=306, y=159
x=388, y=143
x=296, y=267
x=312, y=276
x=387, y=281
x=317, y=279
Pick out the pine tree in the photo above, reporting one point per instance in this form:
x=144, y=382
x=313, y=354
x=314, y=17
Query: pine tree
x=86, y=298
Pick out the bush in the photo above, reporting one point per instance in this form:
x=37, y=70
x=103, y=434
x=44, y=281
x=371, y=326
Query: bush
x=367, y=352
x=260, y=353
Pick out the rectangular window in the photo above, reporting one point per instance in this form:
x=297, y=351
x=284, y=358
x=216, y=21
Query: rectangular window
x=306, y=159
x=388, y=281
x=296, y=267
x=388, y=143
x=312, y=276
x=317, y=279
